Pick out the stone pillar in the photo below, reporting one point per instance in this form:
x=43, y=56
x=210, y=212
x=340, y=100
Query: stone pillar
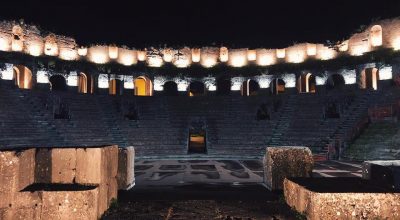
x=284, y=162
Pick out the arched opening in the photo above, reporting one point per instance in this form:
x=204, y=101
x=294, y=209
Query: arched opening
x=277, y=86
x=85, y=83
x=116, y=87
x=143, y=86
x=223, y=86
x=22, y=77
x=306, y=83
x=170, y=88
x=376, y=36
x=249, y=88
x=369, y=78
x=58, y=83
x=335, y=81
x=196, y=89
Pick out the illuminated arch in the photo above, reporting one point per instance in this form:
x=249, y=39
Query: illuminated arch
x=369, y=78
x=143, y=86
x=306, y=83
x=170, y=88
x=196, y=88
x=115, y=87
x=85, y=83
x=277, y=86
x=249, y=88
x=223, y=86
x=22, y=77
x=335, y=81
x=376, y=36
x=58, y=83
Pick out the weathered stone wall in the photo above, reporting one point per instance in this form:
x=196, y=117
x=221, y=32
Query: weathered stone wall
x=284, y=162
x=96, y=167
x=318, y=206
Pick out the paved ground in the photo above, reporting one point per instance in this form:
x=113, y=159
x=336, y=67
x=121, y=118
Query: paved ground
x=235, y=172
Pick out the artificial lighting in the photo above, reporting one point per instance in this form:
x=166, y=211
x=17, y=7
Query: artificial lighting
x=280, y=53
x=251, y=55
x=82, y=51
x=311, y=49
x=238, y=57
x=223, y=54
x=141, y=55
x=113, y=52
x=196, y=54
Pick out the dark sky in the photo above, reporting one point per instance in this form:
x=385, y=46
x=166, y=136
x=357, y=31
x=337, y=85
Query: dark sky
x=233, y=23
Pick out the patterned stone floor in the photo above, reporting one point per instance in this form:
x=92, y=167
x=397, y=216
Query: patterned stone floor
x=187, y=172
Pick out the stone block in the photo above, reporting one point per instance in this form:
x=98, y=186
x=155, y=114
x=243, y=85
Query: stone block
x=63, y=165
x=89, y=166
x=382, y=173
x=70, y=205
x=126, y=168
x=24, y=205
x=111, y=158
x=108, y=191
x=341, y=198
x=16, y=170
x=284, y=162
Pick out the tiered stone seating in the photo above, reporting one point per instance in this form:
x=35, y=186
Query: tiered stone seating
x=162, y=127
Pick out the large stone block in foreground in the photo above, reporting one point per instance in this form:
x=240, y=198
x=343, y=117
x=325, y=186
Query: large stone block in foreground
x=341, y=198
x=126, y=168
x=284, y=162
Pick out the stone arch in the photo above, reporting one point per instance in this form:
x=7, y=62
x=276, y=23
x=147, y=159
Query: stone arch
x=306, y=83
x=85, y=83
x=58, y=83
x=116, y=87
x=277, y=86
x=196, y=88
x=223, y=86
x=369, y=78
x=375, y=35
x=22, y=77
x=170, y=88
x=335, y=81
x=249, y=88
x=143, y=86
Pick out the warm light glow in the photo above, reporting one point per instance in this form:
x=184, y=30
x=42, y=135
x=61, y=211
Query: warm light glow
x=141, y=55
x=325, y=53
x=154, y=61
x=223, y=54
x=143, y=86
x=98, y=54
x=82, y=51
x=127, y=57
x=296, y=56
x=68, y=54
x=311, y=49
x=5, y=43
x=17, y=42
x=209, y=56
x=265, y=57
x=196, y=54
x=17, y=45
x=238, y=57
x=396, y=43
x=359, y=49
x=183, y=58
x=280, y=53
x=344, y=46
x=51, y=46
x=376, y=36
x=35, y=49
x=113, y=52
x=168, y=55
x=251, y=55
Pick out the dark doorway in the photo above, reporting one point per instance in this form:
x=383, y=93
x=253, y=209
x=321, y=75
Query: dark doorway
x=335, y=81
x=250, y=88
x=58, y=83
x=223, y=87
x=277, y=86
x=170, y=88
x=197, y=142
x=196, y=89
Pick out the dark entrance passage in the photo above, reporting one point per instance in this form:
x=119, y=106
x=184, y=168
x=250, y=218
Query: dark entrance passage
x=58, y=83
x=170, y=89
x=223, y=87
x=197, y=143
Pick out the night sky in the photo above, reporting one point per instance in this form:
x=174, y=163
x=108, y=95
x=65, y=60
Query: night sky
x=232, y=23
